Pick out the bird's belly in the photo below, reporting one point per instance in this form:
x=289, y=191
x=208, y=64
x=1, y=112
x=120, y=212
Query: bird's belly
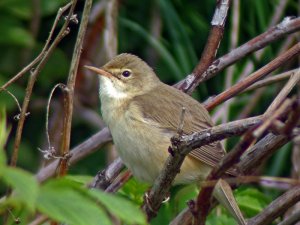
x=143, y=151
x=143, y=147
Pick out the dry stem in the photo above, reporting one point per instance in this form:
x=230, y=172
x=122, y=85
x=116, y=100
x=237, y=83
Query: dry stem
x=265, y=70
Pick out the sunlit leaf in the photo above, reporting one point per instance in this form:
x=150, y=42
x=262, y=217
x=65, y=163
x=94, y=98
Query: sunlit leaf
x=24, y=185
x=222, y=219
x=66, y=204
x=134, y=190
x=251, y=201
x=83, y=180
x=124, y=209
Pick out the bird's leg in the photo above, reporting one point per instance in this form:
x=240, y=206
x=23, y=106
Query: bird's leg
x=223, y=193
x=148, y=202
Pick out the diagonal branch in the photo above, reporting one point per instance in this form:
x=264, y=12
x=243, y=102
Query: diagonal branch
x=84, y=149
x=277, y=207
x=42, y=53
x=265, y=70
x=203, y=205
x=271, y=80
x=287, y=26
x=211, y=47
x=63, y=32
x=249, y=163
x=181, y=147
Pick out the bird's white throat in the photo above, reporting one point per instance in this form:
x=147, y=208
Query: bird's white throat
x=108, y=89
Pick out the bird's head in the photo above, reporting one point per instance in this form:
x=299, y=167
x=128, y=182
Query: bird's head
x=125, y=75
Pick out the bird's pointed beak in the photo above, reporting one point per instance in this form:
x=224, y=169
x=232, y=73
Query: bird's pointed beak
x=100, y=71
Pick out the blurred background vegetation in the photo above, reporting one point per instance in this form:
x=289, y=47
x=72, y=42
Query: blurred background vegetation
x=170, y=36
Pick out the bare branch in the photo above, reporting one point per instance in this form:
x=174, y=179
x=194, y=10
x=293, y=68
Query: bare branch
x=44, y=50
x=203, y=205
x=84, y=149
x=265, y=70
x=261, y=151
x=294, y=79
x=292, y=219
x=270, y=80
x=181, y=147
x=211, y=47
x=249, y=163
x=69, y=90
x=287, y=26
x=105, y=177
x=277, y=207
x=119, y=182
x=63, y=32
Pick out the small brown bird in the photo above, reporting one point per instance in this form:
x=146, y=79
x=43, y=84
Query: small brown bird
x=143, y=113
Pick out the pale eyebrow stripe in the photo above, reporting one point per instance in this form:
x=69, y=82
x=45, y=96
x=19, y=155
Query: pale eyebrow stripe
x=117, y=70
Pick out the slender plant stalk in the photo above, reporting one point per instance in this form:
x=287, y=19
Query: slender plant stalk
x=69, y=90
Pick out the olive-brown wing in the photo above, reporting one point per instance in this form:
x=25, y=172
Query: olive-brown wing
x=165, y=110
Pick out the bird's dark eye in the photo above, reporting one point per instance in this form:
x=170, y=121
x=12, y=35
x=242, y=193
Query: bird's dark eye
x=126, y=73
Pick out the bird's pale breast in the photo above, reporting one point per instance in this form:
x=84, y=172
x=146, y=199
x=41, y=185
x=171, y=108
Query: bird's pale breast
x=143, y=146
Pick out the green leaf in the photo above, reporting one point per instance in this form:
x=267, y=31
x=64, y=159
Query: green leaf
x=25, y=186
x=68, y=205
x=81, y=179
x=185, y=194
x=251, y=201
x=158, y=46
x=18, y=8
x=181, y=43
x=223, y=219
x=12, y=33
x=23, y=9
x=125, y=210
x=134, y=190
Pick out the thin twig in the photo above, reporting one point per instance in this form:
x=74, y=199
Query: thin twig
x=50, y=152
x=15, y=99
x=201, y=209
x=252, y=103
x=270, y=80
x=64, y=31
x=181, y=147
x=69, y=99
x=281, y=183
x=211, y=47
x=44, y=50
x=181, y=121
x=235, y=21
x=265, y=70
x=293, y=118
x=249, y=163
x=291, y=219
x=287, y=26
x=277, y=207
x=248, y=68
x=104, y=178
x=294, y=79
x=119, y=182
x=84, y=149
x=259, y=93
x=269, y=118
